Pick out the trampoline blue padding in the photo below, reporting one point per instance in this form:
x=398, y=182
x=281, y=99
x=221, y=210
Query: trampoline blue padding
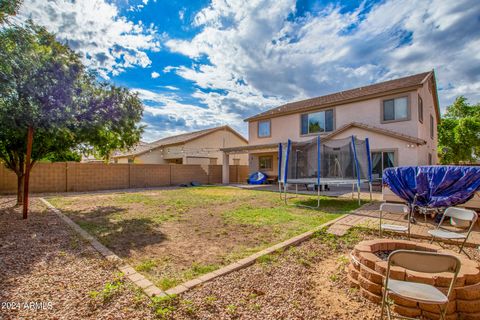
x=434, y=186
x=257, y=178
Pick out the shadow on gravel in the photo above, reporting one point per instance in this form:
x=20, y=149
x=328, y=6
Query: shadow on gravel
x=118, y=233
x=28, y=247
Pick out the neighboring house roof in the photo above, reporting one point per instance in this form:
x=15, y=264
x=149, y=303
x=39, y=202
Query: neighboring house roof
x=92, y=158
x=172, y=140
x=329, y=136
x=363, y=93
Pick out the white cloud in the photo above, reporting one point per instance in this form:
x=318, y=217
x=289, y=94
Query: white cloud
x=258, y=57
x=166, y=114
x=106, y=41
x=155, y=75
x=181, y=14
x=171, y=88
x=168, y=69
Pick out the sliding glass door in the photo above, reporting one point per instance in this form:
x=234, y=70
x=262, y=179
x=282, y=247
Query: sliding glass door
x=380, y=161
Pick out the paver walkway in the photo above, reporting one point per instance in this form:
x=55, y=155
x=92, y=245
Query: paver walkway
x=368, y=216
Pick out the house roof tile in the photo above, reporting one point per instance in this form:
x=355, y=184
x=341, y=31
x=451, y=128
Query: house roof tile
x=360, y=93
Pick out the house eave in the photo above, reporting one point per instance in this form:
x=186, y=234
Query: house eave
x=334, y=104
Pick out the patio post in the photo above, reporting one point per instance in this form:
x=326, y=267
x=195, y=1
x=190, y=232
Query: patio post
x=225, y=168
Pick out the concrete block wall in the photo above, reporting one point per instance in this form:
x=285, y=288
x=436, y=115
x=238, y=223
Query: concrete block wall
x=76, y=177
x=48, y=177
x=150, y=175
x=96, y=176
x=189, y=172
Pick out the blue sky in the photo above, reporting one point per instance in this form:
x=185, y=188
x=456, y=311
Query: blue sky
x=198, y=64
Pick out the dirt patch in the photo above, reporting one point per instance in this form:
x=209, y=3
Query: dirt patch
x=335, y=298
x=304, y=282
x=43, y=262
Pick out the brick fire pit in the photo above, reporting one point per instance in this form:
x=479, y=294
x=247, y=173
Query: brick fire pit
x=368, y=266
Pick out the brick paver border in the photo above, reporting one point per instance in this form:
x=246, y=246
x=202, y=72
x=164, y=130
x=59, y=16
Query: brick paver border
x=151, y=290
x=146, y=285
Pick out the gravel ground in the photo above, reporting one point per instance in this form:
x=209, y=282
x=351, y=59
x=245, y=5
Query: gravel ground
x=305, y=282
x=43, y=261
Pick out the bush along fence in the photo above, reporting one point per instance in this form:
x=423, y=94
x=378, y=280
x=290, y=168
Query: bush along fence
x=78, y=177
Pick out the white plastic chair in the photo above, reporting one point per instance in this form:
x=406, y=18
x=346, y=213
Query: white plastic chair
x=460, y=218
x=395, y=208
x=419, y=261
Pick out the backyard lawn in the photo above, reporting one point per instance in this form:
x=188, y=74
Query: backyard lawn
x=173, y=235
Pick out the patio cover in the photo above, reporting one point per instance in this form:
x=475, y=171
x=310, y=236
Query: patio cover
x=435, y=186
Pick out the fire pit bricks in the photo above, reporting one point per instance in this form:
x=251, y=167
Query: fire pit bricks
x=367, y=270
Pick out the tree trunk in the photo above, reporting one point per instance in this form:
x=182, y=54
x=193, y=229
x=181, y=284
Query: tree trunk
x=28, y=167
x=19, y=189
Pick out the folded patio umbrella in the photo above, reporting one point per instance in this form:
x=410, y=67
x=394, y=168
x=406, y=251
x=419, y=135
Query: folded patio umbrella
x=435, y=186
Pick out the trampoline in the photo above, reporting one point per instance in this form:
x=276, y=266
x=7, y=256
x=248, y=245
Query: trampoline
x=332, y=162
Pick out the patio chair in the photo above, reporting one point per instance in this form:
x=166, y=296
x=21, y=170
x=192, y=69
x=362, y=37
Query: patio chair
x=461, y=219
x=419, y=261
x=395, y=208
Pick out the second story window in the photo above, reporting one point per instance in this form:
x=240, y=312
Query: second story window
x=264, y=128
x=317, y=122
x=420, y=109
x=395, y=109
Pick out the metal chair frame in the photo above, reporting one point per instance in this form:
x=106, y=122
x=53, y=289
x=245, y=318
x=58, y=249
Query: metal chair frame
x=453, y=212
x=405, y=210
x=414, y=256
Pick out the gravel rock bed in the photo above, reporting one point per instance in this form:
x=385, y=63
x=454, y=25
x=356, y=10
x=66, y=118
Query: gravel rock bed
x=43, y=261
x=305, y=282
x=383, y=254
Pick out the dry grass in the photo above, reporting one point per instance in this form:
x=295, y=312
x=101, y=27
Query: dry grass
x=173, y=235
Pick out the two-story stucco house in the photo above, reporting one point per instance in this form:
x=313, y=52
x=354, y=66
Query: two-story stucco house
x=197, y=147
x=398, y=116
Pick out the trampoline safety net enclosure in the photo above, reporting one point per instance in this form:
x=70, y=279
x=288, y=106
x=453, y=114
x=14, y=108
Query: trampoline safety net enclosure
x=331, y=162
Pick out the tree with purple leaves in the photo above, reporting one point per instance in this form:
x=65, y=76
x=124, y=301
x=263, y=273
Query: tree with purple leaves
x=48, y=97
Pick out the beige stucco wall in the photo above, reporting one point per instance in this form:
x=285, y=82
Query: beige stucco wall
x=406, y=154
x=368, y=112
x=151, y=157
x=209, y=146
x=424, y=128
x=198, y=151
x=253, y=163
x=121, y=160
